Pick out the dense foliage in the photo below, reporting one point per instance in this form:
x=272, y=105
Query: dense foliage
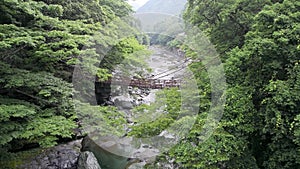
x=40, y=42
x=258, y=42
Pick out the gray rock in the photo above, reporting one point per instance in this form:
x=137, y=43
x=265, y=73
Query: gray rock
x=107, y=159
x=63, y=156
x=124, y=104
x=87, y=160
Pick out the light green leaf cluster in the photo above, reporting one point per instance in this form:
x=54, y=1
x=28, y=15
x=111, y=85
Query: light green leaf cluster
x=40, y=43
x=152, y=120
x=101, y=121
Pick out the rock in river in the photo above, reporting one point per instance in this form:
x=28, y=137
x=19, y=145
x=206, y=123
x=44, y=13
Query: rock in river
x=87, y=160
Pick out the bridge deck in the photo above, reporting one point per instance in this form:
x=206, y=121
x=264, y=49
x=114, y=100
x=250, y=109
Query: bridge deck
x=143, y=83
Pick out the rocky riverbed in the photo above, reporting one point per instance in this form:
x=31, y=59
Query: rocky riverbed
x=165, y=65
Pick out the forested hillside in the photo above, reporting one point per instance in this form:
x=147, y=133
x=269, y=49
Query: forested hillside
x=42, y=42
x=258, y=42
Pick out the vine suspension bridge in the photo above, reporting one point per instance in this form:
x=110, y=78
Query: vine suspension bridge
x=161, y=80
x=153, y=82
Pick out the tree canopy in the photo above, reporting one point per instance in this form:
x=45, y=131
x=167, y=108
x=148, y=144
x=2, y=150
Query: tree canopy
x=40, y=42
x=258, y=42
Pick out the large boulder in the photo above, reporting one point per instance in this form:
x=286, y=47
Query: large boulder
x=87, y=160
x=107, y=159
x=124, y=104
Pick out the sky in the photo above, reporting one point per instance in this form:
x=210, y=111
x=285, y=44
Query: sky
x=137, y=3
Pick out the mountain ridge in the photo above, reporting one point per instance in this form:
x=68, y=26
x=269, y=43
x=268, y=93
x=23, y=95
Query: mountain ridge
x=173, y=7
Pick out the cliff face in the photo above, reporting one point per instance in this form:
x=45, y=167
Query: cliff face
x=174, y=7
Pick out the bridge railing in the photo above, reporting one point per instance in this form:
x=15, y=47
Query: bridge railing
x=143, y=83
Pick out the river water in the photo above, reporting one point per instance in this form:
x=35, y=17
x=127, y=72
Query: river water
x=165, y=65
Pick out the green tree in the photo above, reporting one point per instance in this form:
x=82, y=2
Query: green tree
x=267, y=63
x=260, y=125
x=225, y=21
x=40, y=42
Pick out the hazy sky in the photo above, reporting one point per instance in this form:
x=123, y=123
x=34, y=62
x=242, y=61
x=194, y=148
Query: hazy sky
x=137, y=3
